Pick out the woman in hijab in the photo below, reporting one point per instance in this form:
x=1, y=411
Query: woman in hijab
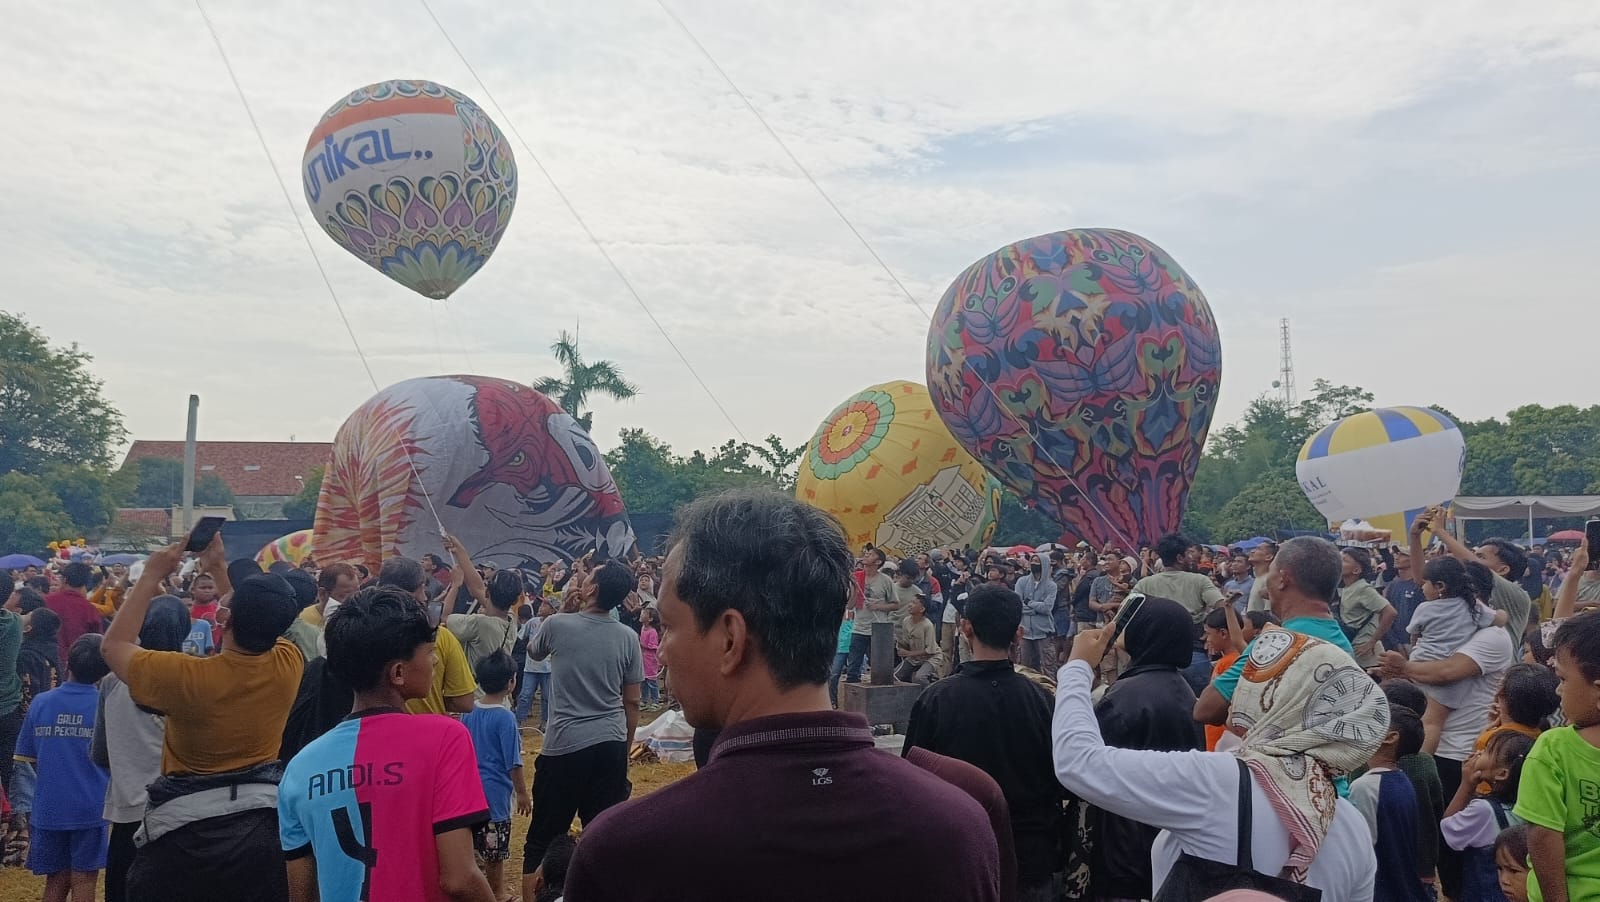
x=1306, y=714
x=128, y=743
x=1150, y=706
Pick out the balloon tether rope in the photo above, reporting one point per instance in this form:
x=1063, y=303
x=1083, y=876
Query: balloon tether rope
x=873, y=253
x=295, y=215
x=593, y=238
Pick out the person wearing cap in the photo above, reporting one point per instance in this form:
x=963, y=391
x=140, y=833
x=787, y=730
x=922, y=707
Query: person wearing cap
x=211, y=823
x=303, y=634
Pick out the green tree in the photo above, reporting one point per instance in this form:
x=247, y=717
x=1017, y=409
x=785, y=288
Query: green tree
x=89, y=495
x=1268, y=504
x=778, y=460
x=159, y=483
x=653, y=479
x=51, y=407
x=1019, y=524
x=34, y=516
x=580, y=379
x=303, y=506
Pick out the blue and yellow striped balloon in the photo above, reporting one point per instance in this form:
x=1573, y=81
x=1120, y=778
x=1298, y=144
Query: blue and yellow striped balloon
x=1383, y=466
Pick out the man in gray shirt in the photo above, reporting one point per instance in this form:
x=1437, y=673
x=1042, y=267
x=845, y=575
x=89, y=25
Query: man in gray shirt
x=595, y=674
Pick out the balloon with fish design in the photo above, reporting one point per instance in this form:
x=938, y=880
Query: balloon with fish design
x=1081, y=367
x=414, y=179
x=508, y=472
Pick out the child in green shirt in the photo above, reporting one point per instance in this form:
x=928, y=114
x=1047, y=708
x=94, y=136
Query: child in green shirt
x=1559, y=797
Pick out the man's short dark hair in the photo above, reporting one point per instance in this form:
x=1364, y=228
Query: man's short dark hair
x=1404, y=694
x=613, y=581
x=29, y=599
x=262, y=607
x=995, y=613
x=241, y=570
x=43, y=623
x=783, y=565
x=1408, y=724
x=1172, y=547
x=77, y=575
x=495, y=672
x=1510, y=554
x=329, y=577
x=1528, y=694
x=909, y=569
x=505, y=587
x=85, y=663
x=1313, y=565
x=40, y=584
x=372, y=629
x=1260, y=619
x=402, y=573
x=305, y=588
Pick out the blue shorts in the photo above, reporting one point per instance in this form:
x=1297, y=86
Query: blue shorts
x=54, y=851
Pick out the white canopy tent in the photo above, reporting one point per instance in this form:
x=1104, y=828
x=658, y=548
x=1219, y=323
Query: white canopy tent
x=1517, y=507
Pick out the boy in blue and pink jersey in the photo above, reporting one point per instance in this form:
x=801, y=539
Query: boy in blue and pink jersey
x=383, y=805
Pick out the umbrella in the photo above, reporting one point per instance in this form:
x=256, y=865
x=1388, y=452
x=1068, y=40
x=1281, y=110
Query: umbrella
x=1050, y=546
x=124, y=559
x=19, y=561
x=1567, y=535
x=1250, y=543
x=1019, y=549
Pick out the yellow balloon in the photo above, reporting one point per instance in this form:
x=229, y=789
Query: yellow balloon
x=884, y=464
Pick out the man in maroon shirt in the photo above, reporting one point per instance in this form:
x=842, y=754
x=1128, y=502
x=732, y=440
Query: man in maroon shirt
x=796, y=803
x=71, y=604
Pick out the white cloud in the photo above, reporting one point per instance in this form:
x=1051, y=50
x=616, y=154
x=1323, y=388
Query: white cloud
x=1281, y=151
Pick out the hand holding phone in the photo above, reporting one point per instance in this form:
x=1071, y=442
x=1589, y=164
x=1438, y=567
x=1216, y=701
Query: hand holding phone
x=1125, y=613
x=204, y=531
x=1591, y=535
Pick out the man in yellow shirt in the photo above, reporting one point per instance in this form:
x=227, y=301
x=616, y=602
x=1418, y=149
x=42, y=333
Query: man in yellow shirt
x=212, y=817
x=453, y=682
x=335, y=583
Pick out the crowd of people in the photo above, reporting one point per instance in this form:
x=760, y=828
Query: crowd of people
x=1411, y=722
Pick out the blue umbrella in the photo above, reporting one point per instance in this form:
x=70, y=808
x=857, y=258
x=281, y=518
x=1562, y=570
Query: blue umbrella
x=19, y=561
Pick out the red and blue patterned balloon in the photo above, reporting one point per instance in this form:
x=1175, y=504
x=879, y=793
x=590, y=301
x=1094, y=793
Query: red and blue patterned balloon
x=1081, y=367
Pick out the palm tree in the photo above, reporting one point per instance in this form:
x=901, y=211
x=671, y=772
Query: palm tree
x=581, y=380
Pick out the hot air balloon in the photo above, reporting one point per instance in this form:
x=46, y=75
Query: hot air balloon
x=414, y=179
x=292, y=548
x=1383, y=467
x=884, y=464
x=1081, y=368
x=509, y=473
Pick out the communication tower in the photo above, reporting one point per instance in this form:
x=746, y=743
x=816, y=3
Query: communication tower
x=1285, y=382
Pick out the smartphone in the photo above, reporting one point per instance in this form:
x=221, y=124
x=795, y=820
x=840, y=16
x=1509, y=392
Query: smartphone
x=200, y=537
x=435, y=613
x=1591, y=531
x=1125, y=614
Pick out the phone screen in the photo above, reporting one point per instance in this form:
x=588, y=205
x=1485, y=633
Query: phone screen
x=1125, y=614
x=1591, y=530
x=435, y=613
x=200, y=537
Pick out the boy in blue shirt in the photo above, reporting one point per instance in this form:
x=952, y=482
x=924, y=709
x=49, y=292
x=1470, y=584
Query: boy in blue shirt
x=499, y=748
x=67, y=836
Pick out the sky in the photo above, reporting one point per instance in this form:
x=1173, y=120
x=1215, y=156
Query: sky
x=1412, y=185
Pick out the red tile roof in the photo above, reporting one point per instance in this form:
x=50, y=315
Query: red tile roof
x=249, y=468
x=157, y=518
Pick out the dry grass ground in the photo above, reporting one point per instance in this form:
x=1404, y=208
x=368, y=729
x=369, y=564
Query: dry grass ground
x=18, y=885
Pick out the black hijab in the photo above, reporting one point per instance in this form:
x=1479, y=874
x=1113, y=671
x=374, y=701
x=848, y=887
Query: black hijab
x=1160, y=637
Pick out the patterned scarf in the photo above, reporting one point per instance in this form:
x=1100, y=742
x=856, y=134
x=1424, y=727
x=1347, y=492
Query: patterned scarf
x=1307, y=714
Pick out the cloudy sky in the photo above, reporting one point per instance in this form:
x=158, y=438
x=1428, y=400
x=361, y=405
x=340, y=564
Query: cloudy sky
x=1412, y=184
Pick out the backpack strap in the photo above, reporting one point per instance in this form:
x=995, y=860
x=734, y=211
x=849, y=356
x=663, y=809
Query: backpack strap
x=1499, y=810
x=1245, y=858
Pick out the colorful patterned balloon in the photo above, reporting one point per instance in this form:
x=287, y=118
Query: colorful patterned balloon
x=414, y=179
x=292, y=548
x=1383, y=466
x=885, y=465
x=1081, y=367
x=510, y=474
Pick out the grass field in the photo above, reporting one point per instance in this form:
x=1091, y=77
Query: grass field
x=17, y=885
